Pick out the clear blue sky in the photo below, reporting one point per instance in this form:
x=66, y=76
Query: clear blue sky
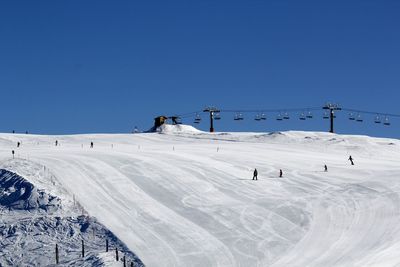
x=106, y=66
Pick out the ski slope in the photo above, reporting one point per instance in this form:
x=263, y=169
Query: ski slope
x=182, y=197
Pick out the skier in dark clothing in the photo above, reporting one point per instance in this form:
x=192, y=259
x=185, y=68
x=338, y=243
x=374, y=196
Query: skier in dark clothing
x=12, y=152
x=326, y=168
x=255, y=174
x=91, y=144
x=56, y=143
x=280, y=173
x=351, y=160
x=18, y=144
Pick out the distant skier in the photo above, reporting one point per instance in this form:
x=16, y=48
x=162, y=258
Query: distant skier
x=255, y=174
x=56, y=143
x=326, y=168
x=351, y=160
x=12, y=152
x=280, y=173
x=91, y=144
x=18, y=144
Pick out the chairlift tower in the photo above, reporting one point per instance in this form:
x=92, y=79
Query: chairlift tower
x=211, y=110
x=331, y=107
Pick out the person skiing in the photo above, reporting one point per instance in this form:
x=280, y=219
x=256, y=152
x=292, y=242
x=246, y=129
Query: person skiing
x=18, y=144
x=255, y=174
x=351, y=160
x=12, y=152
x=326, y=168
x=91, y=144
x=280, y=173
x=56, y=143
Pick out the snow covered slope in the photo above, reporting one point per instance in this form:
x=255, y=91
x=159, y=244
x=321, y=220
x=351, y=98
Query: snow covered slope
x=33, y=221
x=182, y=197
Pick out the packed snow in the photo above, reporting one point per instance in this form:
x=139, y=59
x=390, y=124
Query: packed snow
x=182, y=197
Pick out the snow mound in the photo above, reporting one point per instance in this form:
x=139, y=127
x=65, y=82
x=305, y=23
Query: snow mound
x=178, y=128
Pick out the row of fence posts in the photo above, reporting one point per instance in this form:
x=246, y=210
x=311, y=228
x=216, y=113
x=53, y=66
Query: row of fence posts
x=83, y=253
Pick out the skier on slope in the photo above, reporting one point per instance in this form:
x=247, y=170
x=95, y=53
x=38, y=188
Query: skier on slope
x=326, y=168
x=280, y=173
x=91, y=144
x=255, y=174
x=351, y=160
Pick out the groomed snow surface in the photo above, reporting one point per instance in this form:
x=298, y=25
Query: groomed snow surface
x=182, y=197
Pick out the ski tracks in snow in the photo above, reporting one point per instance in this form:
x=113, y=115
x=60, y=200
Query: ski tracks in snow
x=194, y=205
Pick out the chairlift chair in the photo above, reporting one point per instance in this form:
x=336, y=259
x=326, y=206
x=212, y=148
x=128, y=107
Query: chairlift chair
x=359, y=118
x=263, y=116
x=257, y=117
x=217, y=116
x=279, y=117
x=197, y=119
x=351, y=116
x=286, y=116
x=326, y=115
x=302, y=116
x=238, y=117
x=386, y=122
x=377, y=119
x=309, y=115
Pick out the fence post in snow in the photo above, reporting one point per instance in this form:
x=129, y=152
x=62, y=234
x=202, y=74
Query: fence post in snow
x=83, y=249
x=116, y=254
x=124, y=262
x=106, y=245
x=57, y=254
